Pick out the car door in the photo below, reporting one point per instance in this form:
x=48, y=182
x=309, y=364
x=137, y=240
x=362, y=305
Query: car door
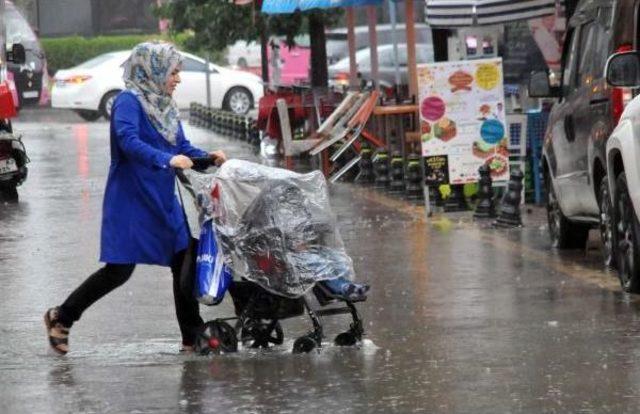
x=591, y=114
x=569, y=142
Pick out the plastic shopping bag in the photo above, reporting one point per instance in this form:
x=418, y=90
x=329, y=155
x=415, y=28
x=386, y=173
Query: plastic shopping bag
x=213, y=276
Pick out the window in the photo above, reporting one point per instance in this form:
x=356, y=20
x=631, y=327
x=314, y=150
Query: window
x=587, y=43
x=191, y=65
x=594, y=51
x=569, y=59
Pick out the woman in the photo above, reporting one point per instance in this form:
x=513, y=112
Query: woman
x=142, y=220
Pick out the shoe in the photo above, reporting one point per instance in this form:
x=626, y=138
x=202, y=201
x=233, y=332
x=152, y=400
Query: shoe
x=187, y=349
x=58, y=333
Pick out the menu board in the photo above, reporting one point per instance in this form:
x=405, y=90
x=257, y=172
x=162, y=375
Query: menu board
x=462, y=117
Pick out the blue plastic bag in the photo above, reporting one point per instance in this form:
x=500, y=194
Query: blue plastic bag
x=213, y=276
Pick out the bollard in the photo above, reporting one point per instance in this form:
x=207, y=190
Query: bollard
x=209, y=118
x=396, y=185
x=486, y=207
x=365, y=176
x=381, y=168
x=413, y=177
x=217, y=122
x=456, y=200
x=192, y=112
x=246, y=124
x=509, y=215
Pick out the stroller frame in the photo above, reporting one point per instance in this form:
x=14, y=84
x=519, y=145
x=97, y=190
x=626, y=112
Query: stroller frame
x=258, y=312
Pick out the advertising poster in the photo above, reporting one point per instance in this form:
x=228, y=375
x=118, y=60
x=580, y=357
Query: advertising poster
x=462, y=117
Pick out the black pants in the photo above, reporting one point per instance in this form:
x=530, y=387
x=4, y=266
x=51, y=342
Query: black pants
x=113, y=275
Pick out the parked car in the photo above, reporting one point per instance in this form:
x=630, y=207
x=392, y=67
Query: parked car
x=91, y=87
x=339, y=72
x=294, y=61
x=29, y=80
x=338, y=48
x=574, y=162
x=623, y=162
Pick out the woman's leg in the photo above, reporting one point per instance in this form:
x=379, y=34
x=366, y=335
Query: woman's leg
x=58, y=320
x=96, y=286
x=187, y=309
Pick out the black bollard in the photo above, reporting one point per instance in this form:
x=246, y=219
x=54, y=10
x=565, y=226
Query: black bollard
x=509, y=211
x=381, y=169
x=192, y=112
x=396, y=185
x=456, y=200
x=209, y=118
x=365, y=176
x=486, y=207
x=413, y=178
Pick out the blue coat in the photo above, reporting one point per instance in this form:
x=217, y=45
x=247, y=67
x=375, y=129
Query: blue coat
x=142, y=221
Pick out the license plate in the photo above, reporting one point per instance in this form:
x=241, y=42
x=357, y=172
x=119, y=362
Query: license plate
x=30, y=94
x=8, y=165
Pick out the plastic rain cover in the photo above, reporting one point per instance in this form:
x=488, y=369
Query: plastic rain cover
x=275, y=226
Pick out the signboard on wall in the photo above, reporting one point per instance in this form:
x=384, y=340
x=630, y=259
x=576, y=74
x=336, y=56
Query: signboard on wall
x=462, y=117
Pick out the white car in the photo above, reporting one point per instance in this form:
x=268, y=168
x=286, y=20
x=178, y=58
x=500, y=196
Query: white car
x=339, y=71
x=91, y=87
x=623, y=171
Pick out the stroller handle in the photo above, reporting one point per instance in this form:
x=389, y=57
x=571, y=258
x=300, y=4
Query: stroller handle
x=202, y=163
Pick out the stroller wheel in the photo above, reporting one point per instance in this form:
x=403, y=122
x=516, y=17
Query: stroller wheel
x=345, y=339
x=216, y=337
x=258, y=333
x=303, y=345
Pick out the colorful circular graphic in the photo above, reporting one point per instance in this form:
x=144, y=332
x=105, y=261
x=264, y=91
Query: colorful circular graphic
x=425, y=131
x=432, y=108
x=487, y=76
x=492, y=131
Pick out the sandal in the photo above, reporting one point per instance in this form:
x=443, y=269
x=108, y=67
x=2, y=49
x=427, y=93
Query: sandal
x=58, y=333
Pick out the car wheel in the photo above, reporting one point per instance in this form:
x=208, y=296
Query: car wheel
x=88, y=115
x=563, y=233
x=238, y=100
x=627, y=232
x=607, y=232
x=107, y=103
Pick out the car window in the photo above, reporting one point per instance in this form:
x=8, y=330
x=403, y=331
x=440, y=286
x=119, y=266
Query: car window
x=570, y=56
x=602, y=36
x=424, y=54
x=18, y=30
x=586, y=54
x=385, y=57
x=192, y=65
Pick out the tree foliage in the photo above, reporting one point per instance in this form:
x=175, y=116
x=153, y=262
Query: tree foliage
x=219, y=23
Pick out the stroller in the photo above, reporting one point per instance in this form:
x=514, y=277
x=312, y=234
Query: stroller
x=277, y=236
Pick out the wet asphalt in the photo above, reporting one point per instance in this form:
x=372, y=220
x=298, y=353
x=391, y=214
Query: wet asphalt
x=462, y=318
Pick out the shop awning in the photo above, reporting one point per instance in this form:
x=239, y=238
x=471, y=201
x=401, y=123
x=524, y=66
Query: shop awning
x=290, y=6
x=459, y=13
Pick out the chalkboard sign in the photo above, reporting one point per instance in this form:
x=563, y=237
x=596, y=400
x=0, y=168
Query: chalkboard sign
x=520, y=53
x=436, y=170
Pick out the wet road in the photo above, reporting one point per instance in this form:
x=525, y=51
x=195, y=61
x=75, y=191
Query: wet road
x=461, y=319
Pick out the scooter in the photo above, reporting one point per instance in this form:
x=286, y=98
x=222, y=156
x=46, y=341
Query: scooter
x=13, y=154
x=13, y=162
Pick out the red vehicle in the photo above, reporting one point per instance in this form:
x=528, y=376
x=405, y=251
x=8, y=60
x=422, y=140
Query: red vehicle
x=13, y=155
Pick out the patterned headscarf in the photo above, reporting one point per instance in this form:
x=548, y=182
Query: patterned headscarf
x=145, y=74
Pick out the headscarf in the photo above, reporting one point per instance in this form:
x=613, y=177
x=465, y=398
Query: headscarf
x=145, y=74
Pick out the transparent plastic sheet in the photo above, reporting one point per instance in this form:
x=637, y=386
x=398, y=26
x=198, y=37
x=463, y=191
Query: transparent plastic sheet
x=275, y=226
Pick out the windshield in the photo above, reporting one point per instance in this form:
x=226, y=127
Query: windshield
x=18, y=30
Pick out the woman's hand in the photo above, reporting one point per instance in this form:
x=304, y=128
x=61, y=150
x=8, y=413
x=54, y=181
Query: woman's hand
x=219, y=157
x=181, y=161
